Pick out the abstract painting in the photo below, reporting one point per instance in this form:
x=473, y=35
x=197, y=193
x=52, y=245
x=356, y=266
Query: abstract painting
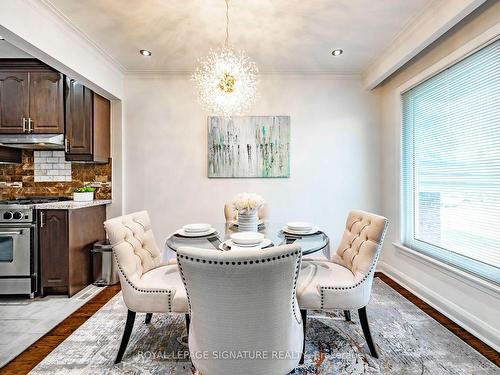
x=249, y=146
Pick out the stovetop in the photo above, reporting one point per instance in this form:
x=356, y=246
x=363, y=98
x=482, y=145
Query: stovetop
x=20, y=210
x=32, y=200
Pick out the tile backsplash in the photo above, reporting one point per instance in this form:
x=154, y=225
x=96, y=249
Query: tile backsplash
x=20, y=180
x=51, y=166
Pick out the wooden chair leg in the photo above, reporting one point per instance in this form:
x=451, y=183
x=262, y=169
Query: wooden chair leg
x=126, y=335
x=347, y=315
x=366, y=331
x=148, y=318
x=303, y=313
x=188, y=322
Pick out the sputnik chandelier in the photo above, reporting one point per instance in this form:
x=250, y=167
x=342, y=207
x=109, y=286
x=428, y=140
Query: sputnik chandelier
x=226, y=79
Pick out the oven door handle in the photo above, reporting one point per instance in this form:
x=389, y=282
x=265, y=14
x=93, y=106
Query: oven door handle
x=18, y=233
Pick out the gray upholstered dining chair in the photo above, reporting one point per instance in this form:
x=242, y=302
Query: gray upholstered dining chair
x=345, y=281
x=232, y=215
x=243, y=301
x=148, y=285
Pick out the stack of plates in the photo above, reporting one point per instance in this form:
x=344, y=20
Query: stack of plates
x=245, y=240
x=300, y=228
x=196, y=230
x=235, y=223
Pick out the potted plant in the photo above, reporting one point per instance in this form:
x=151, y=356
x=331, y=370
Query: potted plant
x=83, y=194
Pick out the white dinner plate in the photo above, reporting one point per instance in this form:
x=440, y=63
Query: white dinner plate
x=196, y=228
x=301, y=226
x=247, y=238
x=183, y=233
x=300, y=233
x=228, y=245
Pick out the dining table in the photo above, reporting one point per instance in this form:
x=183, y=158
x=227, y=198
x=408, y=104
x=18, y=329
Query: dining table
x=310, y=243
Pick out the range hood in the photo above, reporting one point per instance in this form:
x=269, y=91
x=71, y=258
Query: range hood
x=33, y=141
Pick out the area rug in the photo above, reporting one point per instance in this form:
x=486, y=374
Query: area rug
x=408, y=341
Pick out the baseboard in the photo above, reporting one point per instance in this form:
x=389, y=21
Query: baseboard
x=483, y=331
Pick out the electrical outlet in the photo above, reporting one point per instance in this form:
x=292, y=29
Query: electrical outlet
x=15, y=184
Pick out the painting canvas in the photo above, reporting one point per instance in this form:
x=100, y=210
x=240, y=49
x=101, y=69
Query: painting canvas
x=249, y=146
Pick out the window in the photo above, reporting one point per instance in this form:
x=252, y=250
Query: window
x=451, y=165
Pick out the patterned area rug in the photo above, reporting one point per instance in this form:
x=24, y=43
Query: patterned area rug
x=409, y=342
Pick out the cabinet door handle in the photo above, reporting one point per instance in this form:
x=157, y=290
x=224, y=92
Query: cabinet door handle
x=30, y=128
x=24, y=124
x=42, y=219
x=66, y=145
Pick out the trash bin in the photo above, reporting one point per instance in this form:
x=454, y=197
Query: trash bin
x=103, y=264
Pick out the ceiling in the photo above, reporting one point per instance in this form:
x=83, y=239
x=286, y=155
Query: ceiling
x=284, y=36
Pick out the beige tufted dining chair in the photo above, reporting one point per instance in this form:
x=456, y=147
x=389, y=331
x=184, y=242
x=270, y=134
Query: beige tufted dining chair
x=243, y=301
x=148, y=285
x=345, y=281
x=232, y=215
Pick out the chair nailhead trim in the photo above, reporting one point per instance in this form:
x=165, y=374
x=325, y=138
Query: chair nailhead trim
x=160, y=291
x=370, y=271
x=294, y=292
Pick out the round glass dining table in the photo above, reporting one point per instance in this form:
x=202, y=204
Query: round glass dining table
x=312, y=243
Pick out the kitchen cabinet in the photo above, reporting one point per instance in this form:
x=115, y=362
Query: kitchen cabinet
x=31, y=97
x=65, y=240
x=46, y=100
x=10, y=155
x=54, y=250
x=87, y=124
x=14, y=101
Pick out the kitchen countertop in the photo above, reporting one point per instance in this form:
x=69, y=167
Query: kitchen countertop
x=71, y=205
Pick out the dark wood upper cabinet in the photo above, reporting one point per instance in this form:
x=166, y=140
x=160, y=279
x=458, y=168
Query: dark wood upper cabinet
x=46, y=102
x=14, y=101
x=9, y=155
x=102, y=118
x=78, y=118
x=87, y=124
x=31, y=97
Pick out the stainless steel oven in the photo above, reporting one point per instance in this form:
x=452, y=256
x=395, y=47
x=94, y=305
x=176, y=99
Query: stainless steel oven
x=18, y=259
x=19, y=244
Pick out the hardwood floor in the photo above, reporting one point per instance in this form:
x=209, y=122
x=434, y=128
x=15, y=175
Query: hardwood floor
x=458, y=331
x=28, y=359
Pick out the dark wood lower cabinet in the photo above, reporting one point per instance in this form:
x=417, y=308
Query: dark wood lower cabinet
x=65, y=240
x=53, y=245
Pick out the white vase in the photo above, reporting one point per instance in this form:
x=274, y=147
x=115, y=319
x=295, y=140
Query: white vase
x=248, y=221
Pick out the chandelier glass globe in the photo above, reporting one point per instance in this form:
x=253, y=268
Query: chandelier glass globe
x=227, y=82
x=226, y=79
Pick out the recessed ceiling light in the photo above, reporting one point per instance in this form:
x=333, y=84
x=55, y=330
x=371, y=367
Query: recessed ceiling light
x=145, y=52
x=337, y=52
x=1, y=37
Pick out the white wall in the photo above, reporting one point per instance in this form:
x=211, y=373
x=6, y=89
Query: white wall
x=474, y=306
x=334, y=152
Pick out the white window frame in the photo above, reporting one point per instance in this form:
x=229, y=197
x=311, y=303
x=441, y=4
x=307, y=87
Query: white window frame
x=489, y=36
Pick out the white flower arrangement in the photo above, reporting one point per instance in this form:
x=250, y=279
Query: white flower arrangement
x=245, y=202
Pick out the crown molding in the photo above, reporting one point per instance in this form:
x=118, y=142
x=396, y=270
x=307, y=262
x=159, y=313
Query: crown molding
x=418, y=34
x=173, y=73
x=60, y=16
